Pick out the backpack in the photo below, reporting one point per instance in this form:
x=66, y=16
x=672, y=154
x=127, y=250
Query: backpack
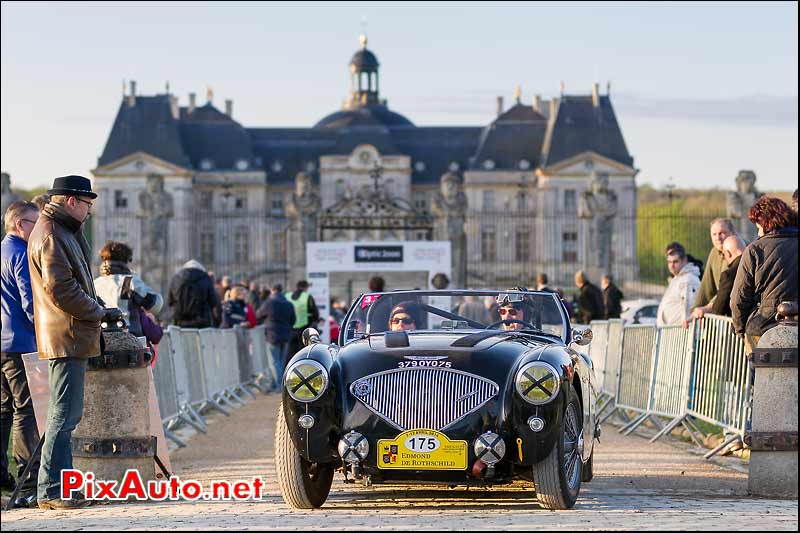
x=191, y=301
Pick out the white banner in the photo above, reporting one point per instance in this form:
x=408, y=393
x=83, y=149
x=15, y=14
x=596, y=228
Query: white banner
x=322, y=258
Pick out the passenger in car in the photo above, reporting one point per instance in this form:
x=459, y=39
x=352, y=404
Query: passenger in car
x=405, y=316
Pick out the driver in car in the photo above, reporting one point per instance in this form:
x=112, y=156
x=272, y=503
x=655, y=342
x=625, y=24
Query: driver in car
x=514, y=311
x=405, y=316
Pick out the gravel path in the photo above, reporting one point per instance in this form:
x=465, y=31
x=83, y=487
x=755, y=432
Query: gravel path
x=637, y=485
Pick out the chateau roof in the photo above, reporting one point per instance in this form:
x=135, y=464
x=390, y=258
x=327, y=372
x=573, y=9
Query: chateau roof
x=147, y=126
x=579, y=126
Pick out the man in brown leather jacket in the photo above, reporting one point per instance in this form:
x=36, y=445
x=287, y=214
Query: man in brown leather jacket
x=67, y=320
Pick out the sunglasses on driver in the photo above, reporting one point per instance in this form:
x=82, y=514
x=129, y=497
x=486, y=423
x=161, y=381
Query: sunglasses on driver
x=510, y=311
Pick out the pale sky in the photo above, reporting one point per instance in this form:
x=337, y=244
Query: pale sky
x=701, y=90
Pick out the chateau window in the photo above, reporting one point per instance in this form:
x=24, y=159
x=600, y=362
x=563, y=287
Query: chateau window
x=277, y=203
x=241, y=245
x=207, y=247
x=522, y=202
x=420, y=201
x=119, y=234
x=339, y=190
x=206, y=200
x=570, y=201
x=120, y=200
x=489, y=245
x=488, y=200
x=240, y=200
x=569, y=249
x=278, y=244
x=523, y=247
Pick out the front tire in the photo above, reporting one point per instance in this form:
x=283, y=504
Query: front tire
x=304, y=485
x=558, y=477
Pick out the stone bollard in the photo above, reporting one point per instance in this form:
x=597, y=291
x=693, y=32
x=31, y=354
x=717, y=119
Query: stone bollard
x=114, y=433
x=773, y=436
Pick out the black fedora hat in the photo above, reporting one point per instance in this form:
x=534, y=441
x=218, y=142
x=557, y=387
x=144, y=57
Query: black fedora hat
x=72, y=186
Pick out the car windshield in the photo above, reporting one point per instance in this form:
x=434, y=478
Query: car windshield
x=467, y=311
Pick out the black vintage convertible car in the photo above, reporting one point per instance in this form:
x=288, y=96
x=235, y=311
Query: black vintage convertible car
x=445, y=387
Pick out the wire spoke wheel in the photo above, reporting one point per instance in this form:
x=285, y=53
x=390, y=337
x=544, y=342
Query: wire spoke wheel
x=557, y=478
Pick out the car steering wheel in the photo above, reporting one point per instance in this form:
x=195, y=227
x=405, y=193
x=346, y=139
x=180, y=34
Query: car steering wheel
x=510, y=321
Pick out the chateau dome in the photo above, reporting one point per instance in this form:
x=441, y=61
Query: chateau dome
x=377, y=115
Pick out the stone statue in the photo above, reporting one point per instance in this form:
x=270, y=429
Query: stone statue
x=156, y=208
x=450, y=209
x=7, y=197
x=739, y=204
x=598, y=207
x=303, y=211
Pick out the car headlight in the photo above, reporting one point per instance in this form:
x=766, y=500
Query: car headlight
x=306, y=380
x=537, y=382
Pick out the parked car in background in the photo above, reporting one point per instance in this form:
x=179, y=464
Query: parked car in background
x=641, y=311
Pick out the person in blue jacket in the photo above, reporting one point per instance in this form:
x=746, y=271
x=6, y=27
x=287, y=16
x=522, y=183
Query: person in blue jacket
x=18, y=337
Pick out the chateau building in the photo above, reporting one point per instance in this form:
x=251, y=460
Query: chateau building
x=547, y=186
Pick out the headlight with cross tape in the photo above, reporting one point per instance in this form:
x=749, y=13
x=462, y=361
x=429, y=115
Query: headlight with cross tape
x=537, y=382
x=306, y=380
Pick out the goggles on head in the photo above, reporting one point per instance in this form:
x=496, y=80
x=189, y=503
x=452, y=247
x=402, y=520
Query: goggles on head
x=509, y=298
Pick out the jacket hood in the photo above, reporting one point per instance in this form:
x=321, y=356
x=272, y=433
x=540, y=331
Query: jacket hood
x=192, y=274
x=193, y=263
x=690, y=268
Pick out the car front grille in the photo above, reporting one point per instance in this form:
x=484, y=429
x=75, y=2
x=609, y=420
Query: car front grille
x=430, y=398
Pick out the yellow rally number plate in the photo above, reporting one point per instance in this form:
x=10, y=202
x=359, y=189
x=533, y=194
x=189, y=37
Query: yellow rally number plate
x=422, y=449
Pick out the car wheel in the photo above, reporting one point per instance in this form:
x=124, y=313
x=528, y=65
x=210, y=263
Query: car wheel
x=558, y=477
x=304, y=485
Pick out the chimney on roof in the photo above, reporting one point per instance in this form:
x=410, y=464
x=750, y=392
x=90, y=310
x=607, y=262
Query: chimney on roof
x=229, y=107
x=499, y=105
x=132, y=96
x=174, y=108
x=553, y=108
x=537, y=103
x=192, y=102
x=596, y=94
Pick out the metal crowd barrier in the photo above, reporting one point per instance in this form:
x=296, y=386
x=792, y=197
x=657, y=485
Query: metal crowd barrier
x=720, y=378
x=265, y=373
x=674, y=373
x=637, y=365
x=206, y=369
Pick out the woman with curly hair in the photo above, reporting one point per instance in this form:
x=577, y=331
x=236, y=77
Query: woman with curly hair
x=767, y=273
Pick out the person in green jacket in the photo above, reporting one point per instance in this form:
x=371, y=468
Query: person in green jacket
x=306, y=315
x=721, y=229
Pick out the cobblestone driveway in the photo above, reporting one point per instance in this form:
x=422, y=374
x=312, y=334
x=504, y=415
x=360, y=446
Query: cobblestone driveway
x=637, y=486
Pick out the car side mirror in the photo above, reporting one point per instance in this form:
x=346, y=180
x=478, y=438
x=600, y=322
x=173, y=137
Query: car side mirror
x=311, y=336
x=582, y=335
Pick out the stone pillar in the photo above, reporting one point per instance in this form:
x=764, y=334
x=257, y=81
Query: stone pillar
x=303, y=212
x=156, y=209
x=598, y=208
x=740, y=202
x=450, y=209
x=773, y=436
x=114, y=434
